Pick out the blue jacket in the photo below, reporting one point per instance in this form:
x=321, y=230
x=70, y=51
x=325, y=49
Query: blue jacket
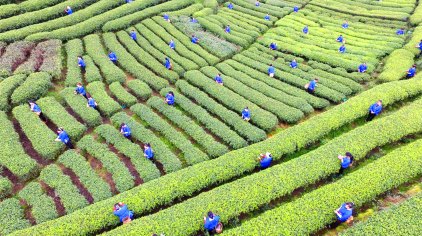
x=374, y=108
x=218, y=79
x=126, y=131
x=312, y=85
x=345, y=162
x=257, y=4
x=273, y=46
x=266, y=162
x=228, y=30
x=91, y=102
x=420, y=46
x=271, y=70
x=149, y=153
x=36, y=108
x=266, y=17
x=170, y=99
x=342, y=49
x=133, y=35
x=345, y=213
x=69, y=11
x=211, y=224
x=195, y=40
x=167, y=64
x=172, y=45
x=293, y=64
x=400, y=32
x=230, y=6
x=64, y=138
x=340, y=39
x=362, y=68
x=123, y=213
x=80, y=90
x=246, y=114
x=305, y=30
x=81, y=62
x=345, y=25
x=112, y=56
x=166, y=17
x=411, y=71
x=296, y=9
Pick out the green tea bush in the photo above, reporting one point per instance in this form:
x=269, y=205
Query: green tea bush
x=106, y=104
x=396, y=65
x=7, y=86
x=5, y=187
x=140, y=89
x=12, y=213
x=25, y=6
x=74, y=48
x=90, y=116
x=34, y=87
x=124, y=97
x=92, y=73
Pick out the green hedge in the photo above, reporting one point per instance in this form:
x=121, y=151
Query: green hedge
x=317, y=207
x=5, y=187
x=245, y=129
x=53, y=27
x=95, y=50
x=396, y=65
x=187, y=11
x=62, y=184
x=96, y=186
x=90, y=116
x=314, y=101
x=12, y=155
x=74, y=48
x=163, y=46
x=233, y=164
x=124, y=97
x=146, y=169
x=242, y=196
x=214, y=125
x=401, y=219
x=42, y=206
x=191, y=154
x=128, y=20
x=57, y=114
x=44, y=14
x=41, y=137
x=145, y=58
x=416, y=17
x=232, y=100
x=92, y=73
x=34, y=87
x=219, y=31
x=162, y=153
x=12, y=213
x=212, y=147
x=260, y=24
x=130, y=64
x=94, y=23
x=25, y=6
x=281, y=110
x=106, y=104
x=110, y=162
x=140, y=89
x=7, y=86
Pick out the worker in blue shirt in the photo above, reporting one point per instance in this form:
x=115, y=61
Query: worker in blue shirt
x=218, y=79
x=170, y=98
x=81, y=64
x=345, y=25
x=80, y=90
x=419, y=46
x=121, y=210
x=168, y=64
x=345, y=161
x=265, y=160
x=340, y=39
x=305, y=29
x=166, y=17
x=125, y=130
x=37, y=110
x=273, y=46
x=194, y=39
x=362, y=68
x=193, y=20
x=230, y=6
x=172, y=45
x=342, y=49
x=227, y=29
x=374, y=110
x=345, y=213
x=148, y=153
x=91, y=103
x=267, y=17
x=64, y=138
x=293, y=64
x=133, y=35
x=246, y=114
x=295, y=8
x=212, y=223
x=128, y=1
x=112, y=56
x=68, y=10
x=271, y=70
x=257, y=3
x=411, y=72
x=400, y=31
x=312, y=86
